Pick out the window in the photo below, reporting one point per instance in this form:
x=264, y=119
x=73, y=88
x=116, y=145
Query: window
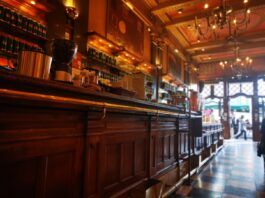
x=247, y=88
x=219, y=89
x=243, y=87
x=234, y=88
x=261, y=87
x=206, y=91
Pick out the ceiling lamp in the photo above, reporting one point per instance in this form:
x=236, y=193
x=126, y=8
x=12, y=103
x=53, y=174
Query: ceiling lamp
x=239, y=66
x=33, y=2
x=221, y=17
x=180, y=11
x=206, y=6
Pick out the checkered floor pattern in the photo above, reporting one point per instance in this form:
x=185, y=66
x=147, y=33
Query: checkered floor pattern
x=235, y=172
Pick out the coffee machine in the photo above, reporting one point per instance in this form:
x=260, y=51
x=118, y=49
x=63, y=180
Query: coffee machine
x=63, y=52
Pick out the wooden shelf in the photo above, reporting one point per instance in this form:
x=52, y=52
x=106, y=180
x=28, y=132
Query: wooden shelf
x=91, y=62
x=19, y=32
x=8, y=54
x=96, y=41
x=41, y=6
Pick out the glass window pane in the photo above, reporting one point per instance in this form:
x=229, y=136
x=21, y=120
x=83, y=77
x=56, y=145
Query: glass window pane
x=234, y=88
x=247, y=88
x=243, y=87
x=219, y=89
x=206, y=91
x=261, y=87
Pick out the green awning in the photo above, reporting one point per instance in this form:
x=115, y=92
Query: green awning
x=241, y=108
x=236, y=108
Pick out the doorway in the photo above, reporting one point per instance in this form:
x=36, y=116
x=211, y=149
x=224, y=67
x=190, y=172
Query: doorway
x=213, y=110
x=240, y=108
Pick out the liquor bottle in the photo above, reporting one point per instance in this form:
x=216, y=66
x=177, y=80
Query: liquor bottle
x=38, y=29
x=9, y=45
x=24, y=24
x=15, y=46
x=21, y=46
x=100, y=54
x=7, y=15
x=3, y=43
x=35, y=27
x=30, y=26
x=44, y=31
x=13, y=18
x=107, y=60
x=1, y=12
x=19, y=21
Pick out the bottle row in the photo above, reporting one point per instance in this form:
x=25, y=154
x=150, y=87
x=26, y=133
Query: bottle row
x=101, y=57
x=14, y=45
x=19, y=21
x=109, y=76
x=168, y=87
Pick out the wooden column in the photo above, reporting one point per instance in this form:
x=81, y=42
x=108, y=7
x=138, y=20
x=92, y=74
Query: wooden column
x=255, y=111
x=226, y=123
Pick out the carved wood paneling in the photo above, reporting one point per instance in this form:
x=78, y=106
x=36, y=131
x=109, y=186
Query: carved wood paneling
x=121, y=157
x=163, y=144
x=40, y=152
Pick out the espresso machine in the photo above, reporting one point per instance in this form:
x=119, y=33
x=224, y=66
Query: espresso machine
x=63, y=52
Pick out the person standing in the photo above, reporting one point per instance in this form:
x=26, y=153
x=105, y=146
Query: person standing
x=242, y=127
x=262, y=141
x=233, y=122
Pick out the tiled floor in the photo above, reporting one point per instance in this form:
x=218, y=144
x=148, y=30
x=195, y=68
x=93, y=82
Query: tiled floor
x=235, y=172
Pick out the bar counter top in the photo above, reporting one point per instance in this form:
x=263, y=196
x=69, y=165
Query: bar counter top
x=15, y=85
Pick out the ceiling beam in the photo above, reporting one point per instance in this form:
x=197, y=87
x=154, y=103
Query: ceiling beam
x=171, y=3
x=230, y=48
x=247, y=37
x=217, y=60
x=237, y=5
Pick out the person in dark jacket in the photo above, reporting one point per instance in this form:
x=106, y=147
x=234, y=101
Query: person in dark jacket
x=262, y=141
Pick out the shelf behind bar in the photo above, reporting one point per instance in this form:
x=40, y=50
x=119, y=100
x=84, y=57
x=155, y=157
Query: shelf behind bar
x=8, y=54
x=20, y=33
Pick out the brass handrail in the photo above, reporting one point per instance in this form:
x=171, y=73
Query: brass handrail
x=68, y=100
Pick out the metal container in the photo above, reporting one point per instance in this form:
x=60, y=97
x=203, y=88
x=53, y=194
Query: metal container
x=34, y=64
x=63, y=52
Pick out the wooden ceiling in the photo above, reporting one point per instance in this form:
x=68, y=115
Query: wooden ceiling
x=210, y=49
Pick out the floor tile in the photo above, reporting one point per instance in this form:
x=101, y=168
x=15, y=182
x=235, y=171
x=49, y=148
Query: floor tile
x=234, y=172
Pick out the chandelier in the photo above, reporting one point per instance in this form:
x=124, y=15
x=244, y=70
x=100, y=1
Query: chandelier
x=222, y=17
x=239, y=66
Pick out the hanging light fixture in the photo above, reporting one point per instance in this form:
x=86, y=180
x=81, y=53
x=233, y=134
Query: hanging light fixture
x=239, y=66
x=221, y=17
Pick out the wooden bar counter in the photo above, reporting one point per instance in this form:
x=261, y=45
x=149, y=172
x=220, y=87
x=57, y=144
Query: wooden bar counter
x=57, y=140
